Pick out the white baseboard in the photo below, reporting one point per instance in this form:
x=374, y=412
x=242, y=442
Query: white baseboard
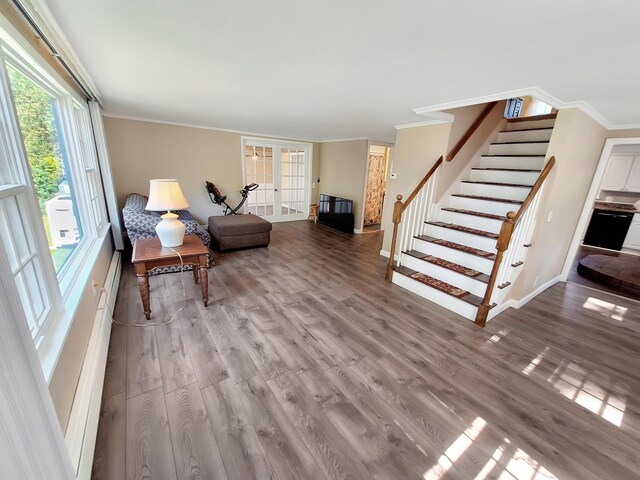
x=357, y=230
x=82, y=429
x=523, y=301
x=385, y=253
x=511, y=303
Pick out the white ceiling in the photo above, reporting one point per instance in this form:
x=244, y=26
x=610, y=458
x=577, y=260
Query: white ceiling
x=332, y=69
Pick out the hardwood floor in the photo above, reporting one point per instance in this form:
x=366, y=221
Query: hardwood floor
x=306, y=364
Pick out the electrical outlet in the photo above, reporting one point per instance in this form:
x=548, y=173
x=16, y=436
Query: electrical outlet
x=393, y=176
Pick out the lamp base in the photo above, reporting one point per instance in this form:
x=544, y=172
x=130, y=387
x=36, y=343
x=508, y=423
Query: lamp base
x=170, y=230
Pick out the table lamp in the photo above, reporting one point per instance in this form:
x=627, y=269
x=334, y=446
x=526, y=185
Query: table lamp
x=165, y=195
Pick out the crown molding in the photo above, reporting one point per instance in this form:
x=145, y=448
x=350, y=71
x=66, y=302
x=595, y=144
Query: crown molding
x=204, y=127
x=333, y=140
x=535, y=92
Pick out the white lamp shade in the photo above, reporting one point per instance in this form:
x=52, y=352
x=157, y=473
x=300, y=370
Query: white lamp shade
x=165, y=194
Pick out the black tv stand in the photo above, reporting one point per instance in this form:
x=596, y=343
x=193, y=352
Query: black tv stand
x=340, y=221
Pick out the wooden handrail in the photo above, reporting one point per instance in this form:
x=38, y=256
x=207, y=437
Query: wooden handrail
x=424, y=180
x=534, y=190
x=400, y=207
x=504, y=239
x=471, y=130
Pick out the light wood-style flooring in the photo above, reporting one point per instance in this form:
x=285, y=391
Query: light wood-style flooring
x=306, y=364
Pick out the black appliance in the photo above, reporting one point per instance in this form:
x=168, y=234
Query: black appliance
x=607, y=229
x=336, y=212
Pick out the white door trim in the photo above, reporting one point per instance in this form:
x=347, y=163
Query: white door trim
x=275, y=143
x=590, y=199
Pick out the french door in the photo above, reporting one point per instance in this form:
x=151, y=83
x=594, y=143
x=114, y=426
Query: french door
x=282, y=171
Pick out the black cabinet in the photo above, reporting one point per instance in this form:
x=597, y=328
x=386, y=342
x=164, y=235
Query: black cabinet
x=607, y=229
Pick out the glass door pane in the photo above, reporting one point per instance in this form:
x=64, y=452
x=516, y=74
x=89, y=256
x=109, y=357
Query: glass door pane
x=259, y=169
x=293, y=182
x=281, y=172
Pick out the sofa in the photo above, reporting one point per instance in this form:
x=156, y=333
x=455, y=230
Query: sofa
x=141, y=223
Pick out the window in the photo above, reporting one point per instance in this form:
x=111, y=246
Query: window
x=51, y=198
x=49, y=164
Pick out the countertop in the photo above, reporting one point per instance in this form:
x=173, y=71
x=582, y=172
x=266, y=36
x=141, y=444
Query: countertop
x=616, y=207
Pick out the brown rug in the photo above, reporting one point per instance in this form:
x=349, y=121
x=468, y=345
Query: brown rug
x=620, y=273
x=439, y=285
x=451, y=266
x=463, y=248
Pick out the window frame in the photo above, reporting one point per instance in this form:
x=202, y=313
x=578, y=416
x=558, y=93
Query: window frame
x=64, y=290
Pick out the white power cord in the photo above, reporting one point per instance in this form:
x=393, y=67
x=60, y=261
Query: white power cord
x=184, y=301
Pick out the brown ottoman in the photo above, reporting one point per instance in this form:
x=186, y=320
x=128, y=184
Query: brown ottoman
x=239, y=231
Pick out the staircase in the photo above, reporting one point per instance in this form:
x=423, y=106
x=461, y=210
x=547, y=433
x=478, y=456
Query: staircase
x=449, y=256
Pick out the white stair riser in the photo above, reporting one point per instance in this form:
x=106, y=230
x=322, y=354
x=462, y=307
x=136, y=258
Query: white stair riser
x=484, y=206
x=468, y=260
x=525, y=135
x=475, y=241
x=518, y=148
x=436, y=296
x=498, y=191
x=472, y=221
x=449, y=276
x=504, y=176
x=535, y=163
x=511, y=126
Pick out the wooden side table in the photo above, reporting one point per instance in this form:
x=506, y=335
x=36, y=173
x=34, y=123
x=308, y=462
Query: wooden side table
x=148, y=254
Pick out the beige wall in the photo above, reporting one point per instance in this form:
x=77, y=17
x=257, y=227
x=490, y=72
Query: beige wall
x=576, y=143
x=476, y=145
x=67, y=373
x=343, y=171
x=415, y=151
x=141, y=151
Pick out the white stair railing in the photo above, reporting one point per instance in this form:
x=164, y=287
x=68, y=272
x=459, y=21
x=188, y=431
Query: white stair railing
x=517, y=227
x=415, y=215
x=412, y=214
x=518, y=249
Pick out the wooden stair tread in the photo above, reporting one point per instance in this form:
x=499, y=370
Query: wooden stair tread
x=519, y=142
x=460, y=228
x=457, y=246
x=489, y=199
x=526, y=129
x=499, y=184
x=444, y=287
x=533, y=118
x=455, y=267
x=512, y=155
x=527, y=170
x=475, y=213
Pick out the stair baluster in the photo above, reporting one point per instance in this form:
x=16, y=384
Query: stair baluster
x=500, y=270
x=414, y=218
